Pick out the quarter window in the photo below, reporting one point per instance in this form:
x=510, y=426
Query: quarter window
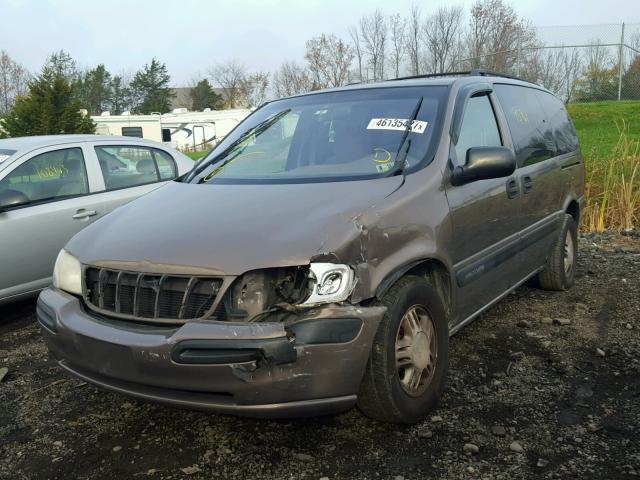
x=563, y=131
x=478, y=129
x=531, y=132
x=130, y=166
x=50, y=175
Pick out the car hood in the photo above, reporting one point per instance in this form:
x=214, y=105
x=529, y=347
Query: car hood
x=230, y=229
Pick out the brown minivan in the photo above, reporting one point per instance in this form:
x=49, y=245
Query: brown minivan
x=323, y=253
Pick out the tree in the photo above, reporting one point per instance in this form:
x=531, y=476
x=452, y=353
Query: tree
x=49, y=108
x=13, y=81
x=397, y=27
x=328, y=59
x=150, y=89
x=414, y=39
x=442, y=32
x=497, y=36
x=229, y=75
x=373, y=29
x=291, y=79
x=94, y=89
x=354, y=33
x=60, y=63
x=202, y=96
x=631, y=80
x=600, y=77
x=119, y=98
x=254, y=88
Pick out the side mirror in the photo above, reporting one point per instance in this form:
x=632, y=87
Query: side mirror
x=12, y=198
x=484, y=163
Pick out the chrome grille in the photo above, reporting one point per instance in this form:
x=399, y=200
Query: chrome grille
x=149, y=297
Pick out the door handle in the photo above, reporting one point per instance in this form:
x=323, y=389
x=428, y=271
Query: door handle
x=82, y=213
x=527, y=184
x=513, y=190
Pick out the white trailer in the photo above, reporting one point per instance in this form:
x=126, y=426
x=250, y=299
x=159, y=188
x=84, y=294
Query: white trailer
x=180, y=129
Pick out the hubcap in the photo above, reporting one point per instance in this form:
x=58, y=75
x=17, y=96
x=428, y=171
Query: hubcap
x=569, y=252
x=416, y=350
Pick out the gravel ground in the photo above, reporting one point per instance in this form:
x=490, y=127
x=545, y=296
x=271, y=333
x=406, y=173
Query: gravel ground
x=544, y=385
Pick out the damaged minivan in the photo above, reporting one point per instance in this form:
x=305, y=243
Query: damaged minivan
x=321, y=256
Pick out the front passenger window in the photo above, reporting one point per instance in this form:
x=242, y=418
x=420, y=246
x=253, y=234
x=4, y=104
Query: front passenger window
x=50, y=175
x=130, y=166
x=478, y=129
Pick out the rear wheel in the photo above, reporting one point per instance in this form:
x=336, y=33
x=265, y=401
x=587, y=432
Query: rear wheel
x=560, y=270
x=409, y=358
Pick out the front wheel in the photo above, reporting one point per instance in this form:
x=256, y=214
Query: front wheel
x=409, y=358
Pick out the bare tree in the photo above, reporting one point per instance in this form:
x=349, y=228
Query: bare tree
x=329, y=59
x=291, y=79
x=497, y=36
x=373, y=29
x=442, y=32
x=397, y=29
x=13, y=81
x=356, y=41
x=414, y=38
x=229, y=76
x=253, y=88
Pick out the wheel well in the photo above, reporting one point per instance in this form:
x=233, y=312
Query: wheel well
x=573, y=209
x=434, y=271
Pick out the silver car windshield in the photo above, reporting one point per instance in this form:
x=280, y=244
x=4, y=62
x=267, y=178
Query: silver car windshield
x=343, y=135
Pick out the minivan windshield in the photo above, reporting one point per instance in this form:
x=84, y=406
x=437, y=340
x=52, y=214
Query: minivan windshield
x=332, y=136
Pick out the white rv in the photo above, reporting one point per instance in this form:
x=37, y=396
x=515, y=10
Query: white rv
x=180, y=129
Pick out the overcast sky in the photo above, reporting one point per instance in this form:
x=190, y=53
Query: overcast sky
x=190, y=35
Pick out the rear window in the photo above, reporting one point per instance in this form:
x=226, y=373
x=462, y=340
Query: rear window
x=345, y=135
x=532, y=134
x=563, y=129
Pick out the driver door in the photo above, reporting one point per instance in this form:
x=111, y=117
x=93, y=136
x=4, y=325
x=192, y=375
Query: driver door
x=56, y=184
x=484, y=213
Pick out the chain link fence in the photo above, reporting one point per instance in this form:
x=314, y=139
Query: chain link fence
x=582, y=63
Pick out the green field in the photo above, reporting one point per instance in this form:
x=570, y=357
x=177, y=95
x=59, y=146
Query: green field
x=599, y=124
x=195, y=155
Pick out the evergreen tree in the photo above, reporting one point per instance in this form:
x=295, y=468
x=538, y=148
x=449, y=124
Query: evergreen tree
x=203, y=96
x=49, y=108
x=119, y=96
x=150, y=89
x=631, y=80
x=93, y=90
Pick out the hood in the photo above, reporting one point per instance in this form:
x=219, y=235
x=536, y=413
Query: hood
x=230, y=229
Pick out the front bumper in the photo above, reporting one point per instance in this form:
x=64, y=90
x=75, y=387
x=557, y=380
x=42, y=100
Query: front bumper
x=311, y=366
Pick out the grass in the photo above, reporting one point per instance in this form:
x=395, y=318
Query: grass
x=195, y=155
x=609, y=134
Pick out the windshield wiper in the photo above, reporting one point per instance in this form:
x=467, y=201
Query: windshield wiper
x=258, y=129
x=401, y=155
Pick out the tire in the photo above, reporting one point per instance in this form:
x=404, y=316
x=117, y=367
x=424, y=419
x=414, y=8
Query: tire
x=387, y=393
x=560, y=270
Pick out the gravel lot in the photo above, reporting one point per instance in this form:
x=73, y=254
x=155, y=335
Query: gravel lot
x=545, y=385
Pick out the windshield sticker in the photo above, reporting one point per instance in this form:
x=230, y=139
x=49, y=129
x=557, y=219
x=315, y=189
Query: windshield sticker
x=417, y=126
x=380, y=155
x=383, y=167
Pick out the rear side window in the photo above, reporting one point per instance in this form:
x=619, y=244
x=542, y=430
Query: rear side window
x=532, y=134
x=50, y=175
x=130, y=166
x=478, y=129
x=563, y=129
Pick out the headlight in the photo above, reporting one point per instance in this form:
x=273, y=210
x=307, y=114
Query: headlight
x=67, y=273
x=333, y=282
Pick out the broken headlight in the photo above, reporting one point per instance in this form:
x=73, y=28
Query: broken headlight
x=332, y=282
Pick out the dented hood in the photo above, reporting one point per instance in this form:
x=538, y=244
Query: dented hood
x=230, y=229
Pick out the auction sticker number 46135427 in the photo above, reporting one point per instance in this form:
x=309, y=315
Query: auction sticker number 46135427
x=417, y=126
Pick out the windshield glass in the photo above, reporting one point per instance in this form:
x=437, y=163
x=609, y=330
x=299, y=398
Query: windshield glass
x=344, y=135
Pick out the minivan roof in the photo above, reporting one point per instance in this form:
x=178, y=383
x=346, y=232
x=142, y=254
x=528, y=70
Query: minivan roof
x=445, y=79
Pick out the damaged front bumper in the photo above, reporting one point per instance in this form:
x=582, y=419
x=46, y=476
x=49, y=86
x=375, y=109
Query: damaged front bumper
x=310, y=366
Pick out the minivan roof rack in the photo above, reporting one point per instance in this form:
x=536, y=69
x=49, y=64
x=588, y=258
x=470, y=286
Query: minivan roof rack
x=471, y=73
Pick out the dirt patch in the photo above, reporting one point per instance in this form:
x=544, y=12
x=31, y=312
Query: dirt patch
x=567, y=394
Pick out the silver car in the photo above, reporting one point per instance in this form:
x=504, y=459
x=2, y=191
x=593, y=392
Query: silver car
x=51, y=187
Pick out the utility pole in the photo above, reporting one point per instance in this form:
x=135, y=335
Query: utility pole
x=620, y=55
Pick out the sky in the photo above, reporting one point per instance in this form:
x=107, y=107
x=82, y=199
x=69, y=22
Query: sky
x=191, y=35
